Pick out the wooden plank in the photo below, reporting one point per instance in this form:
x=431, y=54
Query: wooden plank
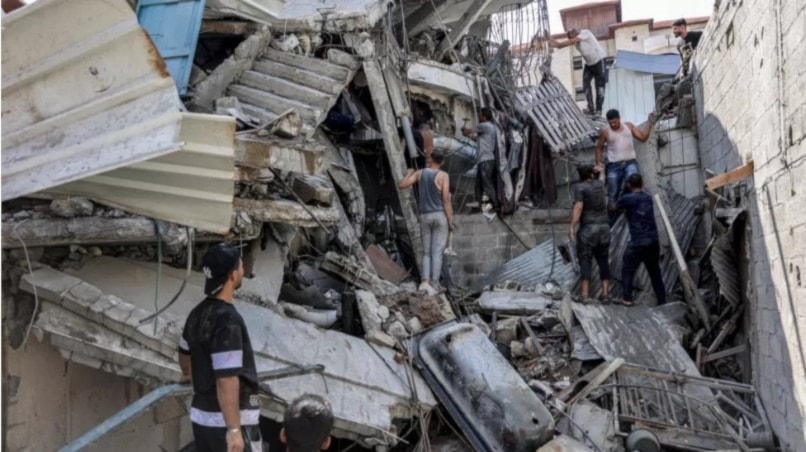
x=724, y=353
x=597, y=380
x=394, y=152
x=731, y=176
x=690, y=290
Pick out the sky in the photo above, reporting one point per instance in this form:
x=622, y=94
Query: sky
x=638, y=9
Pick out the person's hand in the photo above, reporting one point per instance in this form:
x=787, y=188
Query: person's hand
x=571, y=235
x=234, y=441
x=184, y=379
x=652, y=117
x=409, y=172
x=553, y=44
x=466, y=131
x=452, y=227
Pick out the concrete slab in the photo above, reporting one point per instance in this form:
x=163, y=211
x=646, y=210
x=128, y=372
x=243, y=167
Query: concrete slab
x=366, y=387
x=508, y=302
x=268, y=269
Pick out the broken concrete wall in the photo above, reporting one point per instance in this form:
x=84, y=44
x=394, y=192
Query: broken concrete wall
x=751, y=96
x=483, y=245
x=51, y=401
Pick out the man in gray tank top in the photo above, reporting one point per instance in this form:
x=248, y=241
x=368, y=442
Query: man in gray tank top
x=436, y=216
x=618, y=138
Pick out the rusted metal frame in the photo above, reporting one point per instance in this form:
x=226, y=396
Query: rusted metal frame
x=671, y=402
x=711, y=383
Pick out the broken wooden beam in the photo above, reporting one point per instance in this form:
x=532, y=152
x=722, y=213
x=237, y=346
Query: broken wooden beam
x=356, y=274
x=724, y=353
x=514, y=303
x=731, y=176
x=228, y=27
x=92, y=231
x=287, y=212
x=690, y=290
x=394, y=153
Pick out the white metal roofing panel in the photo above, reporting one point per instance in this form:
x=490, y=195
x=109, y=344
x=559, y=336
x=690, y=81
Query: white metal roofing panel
x=192, y=187
x=84, y=91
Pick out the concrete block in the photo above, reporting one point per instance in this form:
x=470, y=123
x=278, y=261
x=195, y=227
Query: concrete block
x=50, y=284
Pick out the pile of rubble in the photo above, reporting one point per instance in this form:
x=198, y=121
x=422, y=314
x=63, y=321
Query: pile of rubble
x=290, y=137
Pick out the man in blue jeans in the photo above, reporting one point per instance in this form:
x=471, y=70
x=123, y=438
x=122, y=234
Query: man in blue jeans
x=621, y=162
x=644, y=244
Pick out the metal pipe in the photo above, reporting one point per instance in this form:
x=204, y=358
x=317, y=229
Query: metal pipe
x=405, y=121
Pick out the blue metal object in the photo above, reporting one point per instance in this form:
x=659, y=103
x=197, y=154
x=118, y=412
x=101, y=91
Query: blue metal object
x=125, y=415
x=174, y=27
x=173, y=390
x=652, y=64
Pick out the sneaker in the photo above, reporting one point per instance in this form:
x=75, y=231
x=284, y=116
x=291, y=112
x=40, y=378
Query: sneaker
x=450, y=252
x=490, y=216
x=426, y=288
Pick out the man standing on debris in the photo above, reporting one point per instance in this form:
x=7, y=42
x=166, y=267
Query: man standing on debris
x=593, y=238
x=595, y=65
x=644, y=243
x=487, y=135
x=688, y=42
x=621, y=161
x=307, y=424
x=216, y=355
x=436, y=216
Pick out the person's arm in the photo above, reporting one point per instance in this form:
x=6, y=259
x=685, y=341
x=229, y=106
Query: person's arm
x=446, y=199
x=617, y=206
x=642, y=135
x=576, y=214
x=226, y=350
x=184, y=359
x=412, y=177
x=600, y=146
x=559, y=45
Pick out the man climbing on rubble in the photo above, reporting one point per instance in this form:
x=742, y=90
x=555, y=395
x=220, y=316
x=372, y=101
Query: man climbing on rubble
x=644, y=243
x=593, y=238
x=688, y=42
x=436, y=216
x=307, y=424
x=215, y=354
x=595, y=65
x=487, y=136
x=621, y=163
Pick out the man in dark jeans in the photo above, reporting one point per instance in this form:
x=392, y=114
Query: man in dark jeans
x=593, y=238
x=487, y=135
x=644, y=245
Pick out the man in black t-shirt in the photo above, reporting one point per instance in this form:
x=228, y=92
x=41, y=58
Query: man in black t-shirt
x=593, y=238
x=216, y=355
x=644, y=243
x=688, y=43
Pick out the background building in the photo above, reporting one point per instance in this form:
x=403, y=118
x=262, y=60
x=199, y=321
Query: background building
x=603, y=19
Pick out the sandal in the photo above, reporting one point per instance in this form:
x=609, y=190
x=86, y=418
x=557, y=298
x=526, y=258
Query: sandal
x=605, y=299
x=627, y=303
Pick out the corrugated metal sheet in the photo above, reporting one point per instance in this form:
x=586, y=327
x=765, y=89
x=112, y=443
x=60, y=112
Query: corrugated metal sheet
x=631, y=93
x=534, y=268
x=191, y=187
x=651, y=64
x=174, y=27
x=725, y=264
x=85, y=94
x=555, y=114
x=84, y=91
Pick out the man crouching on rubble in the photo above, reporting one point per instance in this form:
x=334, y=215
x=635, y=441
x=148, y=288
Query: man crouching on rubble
x=593, y=238
x=216, y=355
x=436, y=216
x=644, y=243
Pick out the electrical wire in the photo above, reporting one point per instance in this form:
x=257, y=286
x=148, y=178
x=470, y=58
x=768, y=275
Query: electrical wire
x=159, y=271
x=189, y=252
x=33, y=284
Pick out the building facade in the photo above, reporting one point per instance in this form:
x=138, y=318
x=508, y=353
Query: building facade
x=603, y=19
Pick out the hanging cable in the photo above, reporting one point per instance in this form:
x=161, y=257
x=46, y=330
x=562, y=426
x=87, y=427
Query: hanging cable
x=33, y=284
x=189, y=253
x=159, y=270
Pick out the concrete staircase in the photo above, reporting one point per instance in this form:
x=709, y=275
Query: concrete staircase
x=279, y=81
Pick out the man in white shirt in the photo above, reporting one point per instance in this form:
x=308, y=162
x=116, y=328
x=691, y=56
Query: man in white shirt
x=595, y=67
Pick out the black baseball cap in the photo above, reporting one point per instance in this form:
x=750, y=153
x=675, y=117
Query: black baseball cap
x=221, y=260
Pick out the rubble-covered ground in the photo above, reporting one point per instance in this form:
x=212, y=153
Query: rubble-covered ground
x=326, y=117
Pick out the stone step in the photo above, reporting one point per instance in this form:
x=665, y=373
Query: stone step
x=299, y=76
x=263, y=115
x=316, y=65
x=287, y=89
x=275, y=104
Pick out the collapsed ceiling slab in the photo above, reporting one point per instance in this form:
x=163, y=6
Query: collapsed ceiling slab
x=85, y=92
x=367, y=388
x=303, y=15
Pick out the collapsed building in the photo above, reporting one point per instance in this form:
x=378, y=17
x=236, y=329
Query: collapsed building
x=135, y=135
